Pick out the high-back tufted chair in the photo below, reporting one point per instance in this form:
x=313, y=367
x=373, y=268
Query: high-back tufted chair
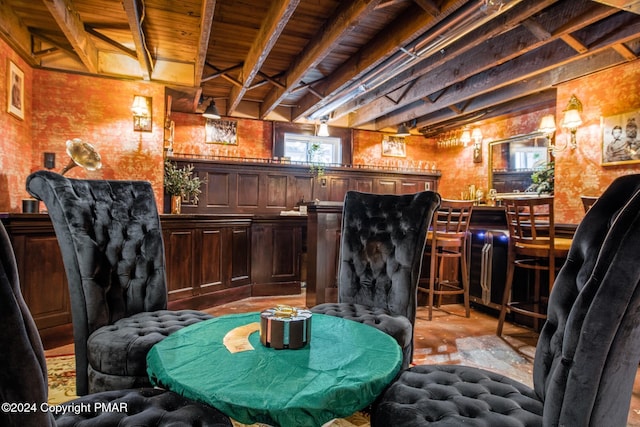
x=111, y=243
x=23, y=377
x=382, y=242
x=587, y=354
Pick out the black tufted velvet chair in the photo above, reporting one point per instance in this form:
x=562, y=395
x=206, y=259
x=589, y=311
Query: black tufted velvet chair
x=111, y=243
x=23, y=376
x=382, y=242
x=587, y=353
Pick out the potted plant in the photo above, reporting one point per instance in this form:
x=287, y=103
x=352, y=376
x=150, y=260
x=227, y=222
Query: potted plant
x=543, y=179
x=180, y=183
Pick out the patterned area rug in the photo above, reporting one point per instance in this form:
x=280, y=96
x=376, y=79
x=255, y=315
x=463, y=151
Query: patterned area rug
x=62, y=378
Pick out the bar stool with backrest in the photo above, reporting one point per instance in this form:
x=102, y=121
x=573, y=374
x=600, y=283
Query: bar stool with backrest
x=532, y=246
x=448, y=240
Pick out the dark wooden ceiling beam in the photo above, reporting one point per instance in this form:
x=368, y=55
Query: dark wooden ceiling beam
x=400, y=32
x=68, y=19
x=518, y=79
x=206, y=20
x=460, y=52
x=342, y=23
x=134, y=17
x=277, y=18
x=454, y=68
x=428, y=6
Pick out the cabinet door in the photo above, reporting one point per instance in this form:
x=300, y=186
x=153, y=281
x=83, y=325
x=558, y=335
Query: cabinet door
x=240, y=256
x=180, y=248
x=43, y=279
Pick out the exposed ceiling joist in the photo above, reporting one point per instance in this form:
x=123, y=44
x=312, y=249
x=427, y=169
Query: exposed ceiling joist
x=339, y=25
x=277, y=18
x=68, y=19
x=206, y=19
x=135, y=15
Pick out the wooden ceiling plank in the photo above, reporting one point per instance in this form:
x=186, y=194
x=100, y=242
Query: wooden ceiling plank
x=134, y=17
x=206, y=21
x=15, y=33
x=68, y=19
x=278, y=16
x=343, y=22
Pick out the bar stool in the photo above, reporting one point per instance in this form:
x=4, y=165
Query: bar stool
x=532, y=246
x=448, y=240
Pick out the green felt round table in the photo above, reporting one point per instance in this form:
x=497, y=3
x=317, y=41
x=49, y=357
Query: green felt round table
x=342, y=370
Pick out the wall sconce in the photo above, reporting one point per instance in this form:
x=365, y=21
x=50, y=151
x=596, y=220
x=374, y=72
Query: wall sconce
x=572, y=119
x=465, y=138
x=548, y=129
x=141, y=109
x=403, y=130
x=476, y=136
x=323, y=129
x=212, y=111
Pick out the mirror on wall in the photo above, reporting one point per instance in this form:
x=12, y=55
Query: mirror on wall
x=513, y=160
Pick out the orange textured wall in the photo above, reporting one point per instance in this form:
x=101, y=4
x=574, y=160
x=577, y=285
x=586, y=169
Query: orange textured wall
x=15, y=143
x=98, y=111
x=580, y=171
x=253, y=136
x=458, y=169
x=367, y=151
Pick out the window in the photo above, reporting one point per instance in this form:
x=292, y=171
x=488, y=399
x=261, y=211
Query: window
x=299, y=148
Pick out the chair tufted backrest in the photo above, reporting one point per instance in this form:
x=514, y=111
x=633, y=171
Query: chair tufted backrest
x=23, y=370
x=382, y=242
x=111, y=243
x=589, y=348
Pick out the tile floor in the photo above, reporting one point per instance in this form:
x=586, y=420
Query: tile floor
x=448, y=338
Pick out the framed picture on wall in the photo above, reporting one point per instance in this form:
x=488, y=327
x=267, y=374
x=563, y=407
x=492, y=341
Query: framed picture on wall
x=15, y=91
x=394, y=146
x=221, y=132
x=620, y=143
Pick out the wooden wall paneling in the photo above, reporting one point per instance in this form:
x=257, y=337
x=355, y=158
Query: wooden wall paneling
x=180, y=249
x=276, y=253
x=248, y=191
x=218, y=190
x=364, y=185
x=386, y=186
x=209, y=258
x=240, y=256
x=302, y=188
x=277, y=186
x=338, y=187
x=411, y=186
x=323, y=237
x=43, y=279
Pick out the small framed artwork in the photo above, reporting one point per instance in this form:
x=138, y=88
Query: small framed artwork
x=620, y=143
x=394, y=146
x=15, y=91
x=221, y=132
